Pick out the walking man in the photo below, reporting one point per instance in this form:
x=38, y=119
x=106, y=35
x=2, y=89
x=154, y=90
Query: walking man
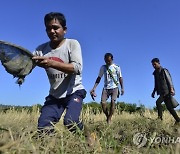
x=112, y=78
x=163, y=87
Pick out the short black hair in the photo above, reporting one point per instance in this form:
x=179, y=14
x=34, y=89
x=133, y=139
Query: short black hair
x=108, y=55
x=55, y=15
x=155, y=60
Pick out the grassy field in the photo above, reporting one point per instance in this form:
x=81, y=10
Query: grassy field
x=128, y=134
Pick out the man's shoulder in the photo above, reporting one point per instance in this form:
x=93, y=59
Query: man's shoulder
x=166, y=70
x=163, y=69
x=115, y=65
x=42, y=46
x=72, y=41
x=103, y=66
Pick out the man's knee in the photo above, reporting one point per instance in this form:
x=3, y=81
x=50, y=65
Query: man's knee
x=170, y=108
x=45, y=122
x=113, y=105
x=48, y=116
x=72, y=124
x=158, y=103
x=67, y=121
x=103, y=104
x=113, y=102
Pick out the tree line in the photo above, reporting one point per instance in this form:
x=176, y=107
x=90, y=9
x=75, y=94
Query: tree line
x=93, y=106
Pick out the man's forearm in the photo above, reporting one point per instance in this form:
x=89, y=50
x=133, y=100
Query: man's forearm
x=96, y=83
x=121, y=82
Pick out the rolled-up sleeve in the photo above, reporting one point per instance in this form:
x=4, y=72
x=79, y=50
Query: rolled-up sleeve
x=101, y=71
x=76, y=56
x=119, y=72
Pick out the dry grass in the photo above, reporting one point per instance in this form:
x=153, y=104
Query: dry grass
x=18, y=128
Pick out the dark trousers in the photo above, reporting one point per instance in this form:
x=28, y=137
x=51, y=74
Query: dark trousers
x=169, y=107
x=53, y=109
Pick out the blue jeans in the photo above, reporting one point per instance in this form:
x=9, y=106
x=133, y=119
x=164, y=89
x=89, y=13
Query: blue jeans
x=53, y=109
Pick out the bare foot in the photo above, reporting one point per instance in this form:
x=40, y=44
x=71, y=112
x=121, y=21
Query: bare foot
x=93, y=141
x=90, y=138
